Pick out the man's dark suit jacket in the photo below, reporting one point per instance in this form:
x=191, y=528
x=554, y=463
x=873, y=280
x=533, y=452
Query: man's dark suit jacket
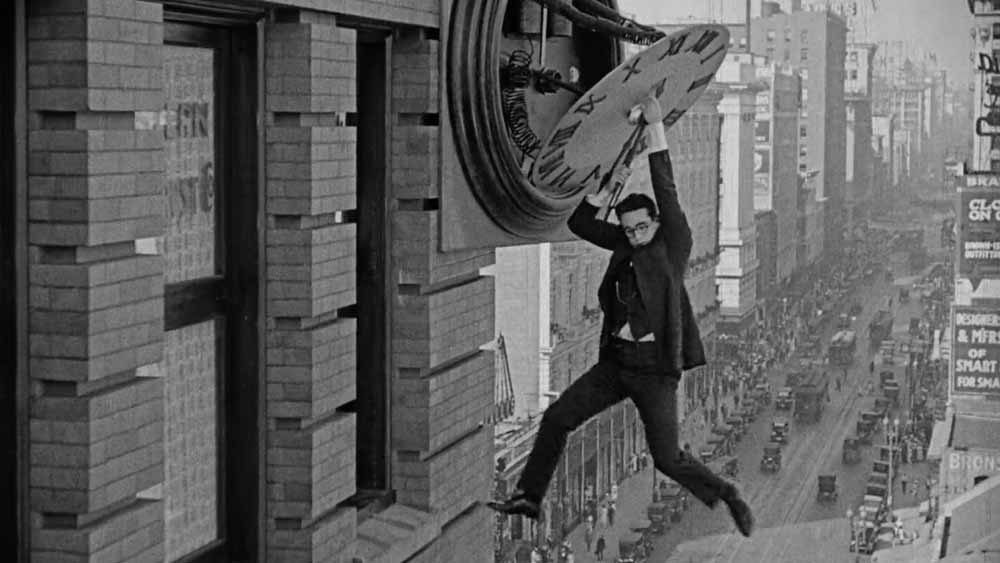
x=659, y=270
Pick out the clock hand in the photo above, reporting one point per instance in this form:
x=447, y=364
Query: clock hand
x=547, y=80
x=624, y=158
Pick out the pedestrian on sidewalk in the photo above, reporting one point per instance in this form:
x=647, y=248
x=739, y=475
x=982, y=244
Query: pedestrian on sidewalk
x=649, y=335
x=599, y=549
x=903, y=481
x=611, y=513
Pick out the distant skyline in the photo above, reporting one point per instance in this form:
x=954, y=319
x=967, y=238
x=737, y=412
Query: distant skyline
x=941, y=26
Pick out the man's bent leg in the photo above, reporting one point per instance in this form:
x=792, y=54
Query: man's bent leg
x=593, y=392
x=655, y=399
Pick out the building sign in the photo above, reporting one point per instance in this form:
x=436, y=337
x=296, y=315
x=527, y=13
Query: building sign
x=961, y=469
x=976, y=351
x=762, y=172
x=762, y=131
x=979, y=228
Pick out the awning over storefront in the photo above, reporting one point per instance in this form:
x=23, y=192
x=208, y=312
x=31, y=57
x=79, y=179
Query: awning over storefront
x=939, y=438
x=976, y=432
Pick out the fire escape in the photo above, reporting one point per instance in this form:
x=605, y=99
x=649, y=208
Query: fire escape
x=503, y=387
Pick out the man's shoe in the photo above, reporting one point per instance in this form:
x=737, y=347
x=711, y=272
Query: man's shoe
x=741, y=513
x=518, y=503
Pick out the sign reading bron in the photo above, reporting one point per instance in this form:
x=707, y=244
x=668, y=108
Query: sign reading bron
x=979, y=228
x=976, y=350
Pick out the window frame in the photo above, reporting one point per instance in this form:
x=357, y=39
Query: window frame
x=234, y=297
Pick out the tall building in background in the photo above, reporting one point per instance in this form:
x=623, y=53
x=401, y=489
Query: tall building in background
x=522, y=313
x=859, y=164
x=736, y=274
x=814, y=43
x=776, y=174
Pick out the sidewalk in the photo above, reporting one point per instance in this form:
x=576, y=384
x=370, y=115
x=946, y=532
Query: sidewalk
x=634, y=494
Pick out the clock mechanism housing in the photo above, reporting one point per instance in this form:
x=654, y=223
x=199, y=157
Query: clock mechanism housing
x=515, y=70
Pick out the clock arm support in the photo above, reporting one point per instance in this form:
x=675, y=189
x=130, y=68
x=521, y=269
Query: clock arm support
x=677, y=232
x=585, y=224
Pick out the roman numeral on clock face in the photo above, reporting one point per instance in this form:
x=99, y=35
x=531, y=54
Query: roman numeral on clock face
x=631, y=69
x=563, y=176
x=704, y=41
x=561, y=137
x=672, y=117
x=709, y=56
x=673, y=46
x=660, y=87
x=549, y=165
x=589, y=104
x=701, y=82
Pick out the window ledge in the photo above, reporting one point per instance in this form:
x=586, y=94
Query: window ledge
x=395, y=534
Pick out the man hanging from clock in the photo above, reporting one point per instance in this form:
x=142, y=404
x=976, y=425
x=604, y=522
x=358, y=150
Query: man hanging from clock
x=648, y=338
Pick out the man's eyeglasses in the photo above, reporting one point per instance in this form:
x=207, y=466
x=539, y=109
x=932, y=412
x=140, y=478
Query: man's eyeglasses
x=639, y=230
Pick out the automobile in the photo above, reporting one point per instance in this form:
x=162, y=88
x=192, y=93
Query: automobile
x=879, y=478
x=672, y=492
x=738, y=425
x=844, y=321
x=827, y=488
x=783, y=400
x=852, y=450
x=779, y=430
x=749, y=414
x=882, y=405
x=771, y=460
x=630, y=548
x=720, y=444
x=873, y=416
x=876, y=489
x=873, y=505
x=891, y=391
x=725, y=465
x=762, y=393
x=856, y=309
x=657, y=514
x=880, y=467
x=883, y=454
x=865, y=429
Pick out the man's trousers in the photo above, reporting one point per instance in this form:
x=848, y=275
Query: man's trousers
x=626, y=371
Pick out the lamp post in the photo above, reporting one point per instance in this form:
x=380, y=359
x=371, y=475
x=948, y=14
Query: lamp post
x=891, y=435
x=850, y=523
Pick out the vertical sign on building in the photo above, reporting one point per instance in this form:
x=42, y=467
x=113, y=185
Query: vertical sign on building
x=976, y=351
x=978, y=243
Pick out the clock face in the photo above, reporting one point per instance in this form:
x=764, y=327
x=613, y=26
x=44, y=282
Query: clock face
x=590, y=137
x=508, y=90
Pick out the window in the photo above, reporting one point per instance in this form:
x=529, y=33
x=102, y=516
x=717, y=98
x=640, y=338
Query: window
x=743, y=42
x=805, y=96
x=770, y=35
x=996, y=31
x=804, y=36
x=853, y=56
x=788, y=55
x=803, y=131
x=802, y=167
x=853, y=74
x=804, y=54
x=770, y=53
x=788, y=35
x=208, y=276
x=804, y=73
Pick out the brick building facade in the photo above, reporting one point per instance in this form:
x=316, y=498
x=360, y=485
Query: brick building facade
x=237, y=338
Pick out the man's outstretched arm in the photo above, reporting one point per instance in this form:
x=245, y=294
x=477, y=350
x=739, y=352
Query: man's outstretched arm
x=585, y=224
x=677, y=232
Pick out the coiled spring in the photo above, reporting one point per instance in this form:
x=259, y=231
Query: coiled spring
x=516, y=77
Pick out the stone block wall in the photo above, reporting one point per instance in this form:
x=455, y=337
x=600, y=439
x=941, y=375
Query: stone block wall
x=96, y=315
x=96, y=304
x=311, y=264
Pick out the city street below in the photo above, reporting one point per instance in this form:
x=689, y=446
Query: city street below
x=792, y=523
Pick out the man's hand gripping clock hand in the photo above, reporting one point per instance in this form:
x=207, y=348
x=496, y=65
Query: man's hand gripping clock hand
x=651, y=115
